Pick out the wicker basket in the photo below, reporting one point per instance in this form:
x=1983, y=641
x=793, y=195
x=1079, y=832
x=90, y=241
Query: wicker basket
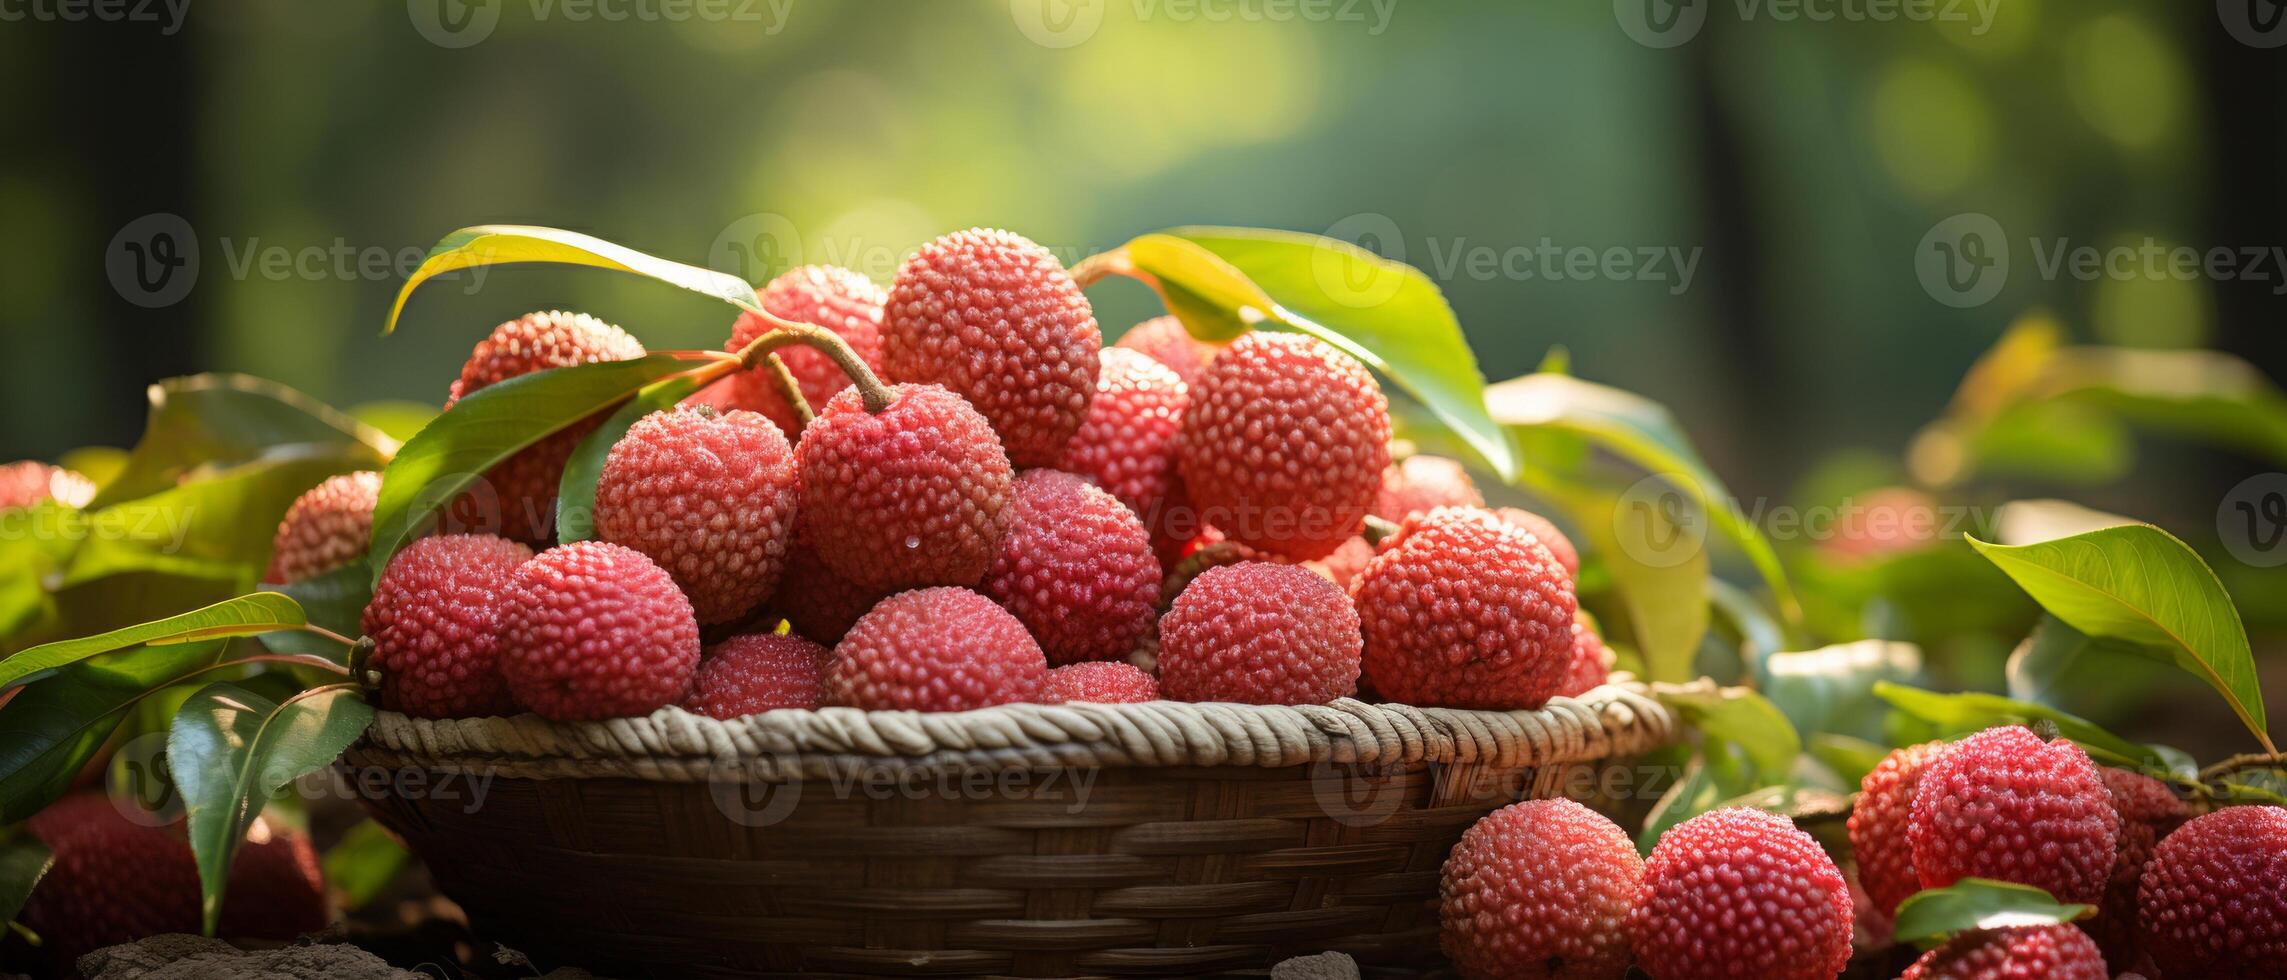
x=1029, y=840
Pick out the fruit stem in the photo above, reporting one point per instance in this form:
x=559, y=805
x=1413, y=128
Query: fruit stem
x=786, y=332
x=788, y=388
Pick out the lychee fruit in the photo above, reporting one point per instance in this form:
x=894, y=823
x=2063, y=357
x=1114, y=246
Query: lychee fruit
x=594, y=630
x=1259, y=633
x=1164, y=339
x=838, y=299
x=1886, y=521
x=435, y=626
x=1284, y=443
x=816, y=600
x=1463, y=610
x=2053, y=952
x=27, y=482
x=2003, y=804
x=1098, y=682
x=1591, y=660
x=915, y=495
x=1422, y=483
x=1127, y=443
x=2149, y=811
x=710, y=498
x=326, y=528
x=997, y=320
x=757, y=672
x=1540, y=889
x=1878, y=826
x=1548, y=535
x=523, y=486
x=2214, y=898
x=1735, y=893
x=936, y=649
x=1076, y=568
x=276, y=889
x=1343, y=565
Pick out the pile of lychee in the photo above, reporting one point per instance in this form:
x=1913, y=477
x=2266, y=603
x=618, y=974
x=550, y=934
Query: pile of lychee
x=975, y=503
x=1550, y=888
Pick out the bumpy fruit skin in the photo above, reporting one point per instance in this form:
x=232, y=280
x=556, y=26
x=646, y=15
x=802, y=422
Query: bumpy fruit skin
x=996, y=319
x=27, y=482
x=1098, y=682
x=435, y=625
x=117, y=880
x=757, y=672
x=2025, y=953
x=2149, y=811
x=1344, y=564
x=1878, y=826
x=1076, y=568
x=326, y=528
x=1284, y=444
x=523, y=487
x=2003, y=804
x=938, y=649
x=1462, y=610
x=1549, y=537
x=916, y=495
x=1591, y=660
x=1540, y=889
x=1422, y=483
x=1740, y=893
x=594, y=630
x=1164, y=339
x=2214, y=898
x=710, y=498
x=1127, y=443
x=1259, y=633
x=838, y=299
x=816, y=600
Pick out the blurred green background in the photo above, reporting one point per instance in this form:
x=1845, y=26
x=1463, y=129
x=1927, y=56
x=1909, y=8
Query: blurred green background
x=1798, y=163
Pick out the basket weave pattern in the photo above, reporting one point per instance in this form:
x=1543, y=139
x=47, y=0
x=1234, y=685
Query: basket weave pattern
x=1029, y=840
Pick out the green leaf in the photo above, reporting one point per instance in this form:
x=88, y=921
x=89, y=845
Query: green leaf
x=1850, y=758
x=1927, y=917
x=231, y=750
x=490, y=425
x=2140, y=585
x=217, y=525
x=400, y=419
x=576, y=493
x=1644, y=433
x=1657, y=567
x=489, y=245
x=1972, y=711
x=1740, y=717
x=243, y=616
x=210, y=421
x=363, y=862
x=50, y=729
x=1386, y=314
x=100, y=464
x=335, y=600
x=1760, y=636
x=23, y=861
x=1831, y=689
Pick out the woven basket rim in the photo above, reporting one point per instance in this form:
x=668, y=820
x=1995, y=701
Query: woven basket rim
x=1621, y=718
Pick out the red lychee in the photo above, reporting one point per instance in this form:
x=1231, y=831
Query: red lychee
x=27, y=482
x=1076, y=568
x=1461, y=609
x=816, y=600
x=757, y=672
x=2214, y=898
x=1127, y=444
x=523, y=486
x=1284, y=443
x=276, y=889
x=1878, y=826
x=1164, y=339
x=2149, y=811
x=915, y=495
x=1540, y=889
x=1422, y=483
x=594, y=630
x=1098, y=682
x=1591, y=660
x=1886, y=521
x=937, y=649
x=1345, y=563
x=326, y=528
x=2026, y=953
x=1549, y=537
x=1735, y=893
x=708, y=497
x=996, y=319
x=435, y=626
x=1259, y=633
x=845, y=302
x=2002, y=804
